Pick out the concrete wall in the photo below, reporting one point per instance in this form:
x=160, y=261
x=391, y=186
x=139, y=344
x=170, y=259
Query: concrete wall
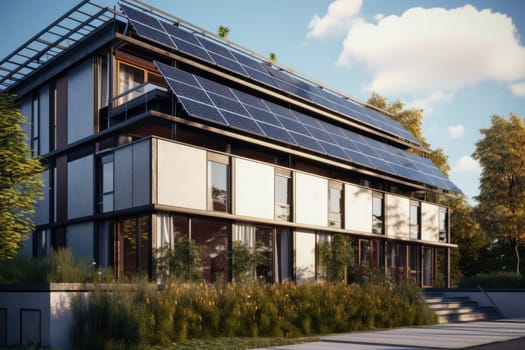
x=510, y=303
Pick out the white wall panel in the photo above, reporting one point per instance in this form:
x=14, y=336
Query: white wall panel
x=80, y=102
x=181, y=175
x=80, y=187
x=397, y=216
x=123, y=179
x=304, y=256
x=254, y=189
x=80, y=239
x=42, y=206
x=358, y=208
x=311, y=200
x=429, y=222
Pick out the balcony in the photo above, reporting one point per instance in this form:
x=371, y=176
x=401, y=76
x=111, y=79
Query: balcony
x=134, y=102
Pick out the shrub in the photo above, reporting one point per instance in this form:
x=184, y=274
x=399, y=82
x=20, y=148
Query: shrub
x=140, y=317
x=494, y=280
x=60, y=267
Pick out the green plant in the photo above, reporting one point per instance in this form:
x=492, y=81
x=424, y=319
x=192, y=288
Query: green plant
x=336, y=257
x=182, y=262
x=60, y=267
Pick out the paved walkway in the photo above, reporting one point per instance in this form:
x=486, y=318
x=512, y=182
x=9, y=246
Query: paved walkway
x=445, y=336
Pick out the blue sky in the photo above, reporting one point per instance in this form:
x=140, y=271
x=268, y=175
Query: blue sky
x=460, y=61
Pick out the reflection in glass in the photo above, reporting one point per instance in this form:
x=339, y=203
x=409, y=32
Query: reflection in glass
x=335, y=205
x=263, y=247
x=212, y=236
x=218, y=186
x=414, y=221
x=377, y=214
x=283, y=200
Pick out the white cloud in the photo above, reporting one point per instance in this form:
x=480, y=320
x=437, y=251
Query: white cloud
x=518, y=89
x=466, y=164
x=455, y=131
x=336, y=21
x=425, y=52
x=379, y=17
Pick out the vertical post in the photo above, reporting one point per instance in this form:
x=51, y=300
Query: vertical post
x=447, y=275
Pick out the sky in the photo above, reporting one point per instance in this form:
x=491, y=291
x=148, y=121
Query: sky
x=459, y=61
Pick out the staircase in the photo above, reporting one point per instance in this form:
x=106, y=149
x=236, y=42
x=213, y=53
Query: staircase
x=451, y=309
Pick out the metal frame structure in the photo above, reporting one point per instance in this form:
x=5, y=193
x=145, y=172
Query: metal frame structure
x=66, y=31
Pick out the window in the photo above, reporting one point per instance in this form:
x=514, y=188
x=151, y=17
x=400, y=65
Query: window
x=443, y=224
x=264, y=256
x=415, y=219
x=107, y=186
x=218, y=182
x=134, y=81
x=377, y=213
x=335, y=204
x=35, y=126
x=212, y=236
x=283, y=195
x=428, y=267
x=134, y=245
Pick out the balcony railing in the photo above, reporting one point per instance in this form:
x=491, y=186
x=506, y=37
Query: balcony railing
x=138, y=100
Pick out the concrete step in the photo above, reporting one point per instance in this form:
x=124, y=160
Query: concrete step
x=457, y=309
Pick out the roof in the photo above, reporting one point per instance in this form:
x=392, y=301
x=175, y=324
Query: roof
x=52, y=41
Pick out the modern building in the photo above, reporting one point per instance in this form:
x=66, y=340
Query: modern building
x=152, y=128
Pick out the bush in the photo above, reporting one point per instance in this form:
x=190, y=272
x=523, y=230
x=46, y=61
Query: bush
x=144, y=317
x=494, y=280
x=60, y=267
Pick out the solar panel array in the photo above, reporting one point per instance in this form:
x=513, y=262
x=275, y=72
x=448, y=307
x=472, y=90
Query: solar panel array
x=234, y=60
x=209, y=100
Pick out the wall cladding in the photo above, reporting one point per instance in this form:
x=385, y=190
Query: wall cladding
x=181, y=175
x=397, y=216
x=80, y=102
x=358, y=208
x=80, y=187
x=311, y=200
x=254, y=189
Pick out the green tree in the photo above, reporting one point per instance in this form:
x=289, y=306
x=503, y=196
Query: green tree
x=501, y=199
x=223, y=31
x=412, y=120
x=183, y=261
x=337, y=257
x=470, y=257
x=273, y=56
x=20, y=180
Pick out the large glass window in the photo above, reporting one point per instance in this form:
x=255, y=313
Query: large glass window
x=212, y=236
x=443, y=224
x=370, y=253
x=218, y=185
x=134, y=80
x=134, y=245
x=377, y=213
x=129, y=78
x=427, y=267
x=283, y=264
x=415, y=219
x=283, y=196
x=335, y=205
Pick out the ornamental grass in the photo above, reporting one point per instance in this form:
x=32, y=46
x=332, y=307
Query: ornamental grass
x=144, y=316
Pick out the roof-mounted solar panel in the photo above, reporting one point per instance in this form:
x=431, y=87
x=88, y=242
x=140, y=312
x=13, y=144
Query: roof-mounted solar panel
x=242, y=63
x=220, y=104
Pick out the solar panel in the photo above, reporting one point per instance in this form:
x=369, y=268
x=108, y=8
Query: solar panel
x=218, y=103
x=241, y=63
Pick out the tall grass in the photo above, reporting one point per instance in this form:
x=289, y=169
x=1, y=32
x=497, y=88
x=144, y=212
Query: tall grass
x=143, y=317
x=60, y=267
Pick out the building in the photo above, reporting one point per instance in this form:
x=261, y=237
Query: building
x=152, y=128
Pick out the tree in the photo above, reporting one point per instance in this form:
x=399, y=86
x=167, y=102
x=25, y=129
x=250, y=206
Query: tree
x=273, y=57
x=411, y=119
x=20, y=180
x=223, y=31
x=337, y=257
x=501, y=199
x=470, y=257
x=183, y=261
